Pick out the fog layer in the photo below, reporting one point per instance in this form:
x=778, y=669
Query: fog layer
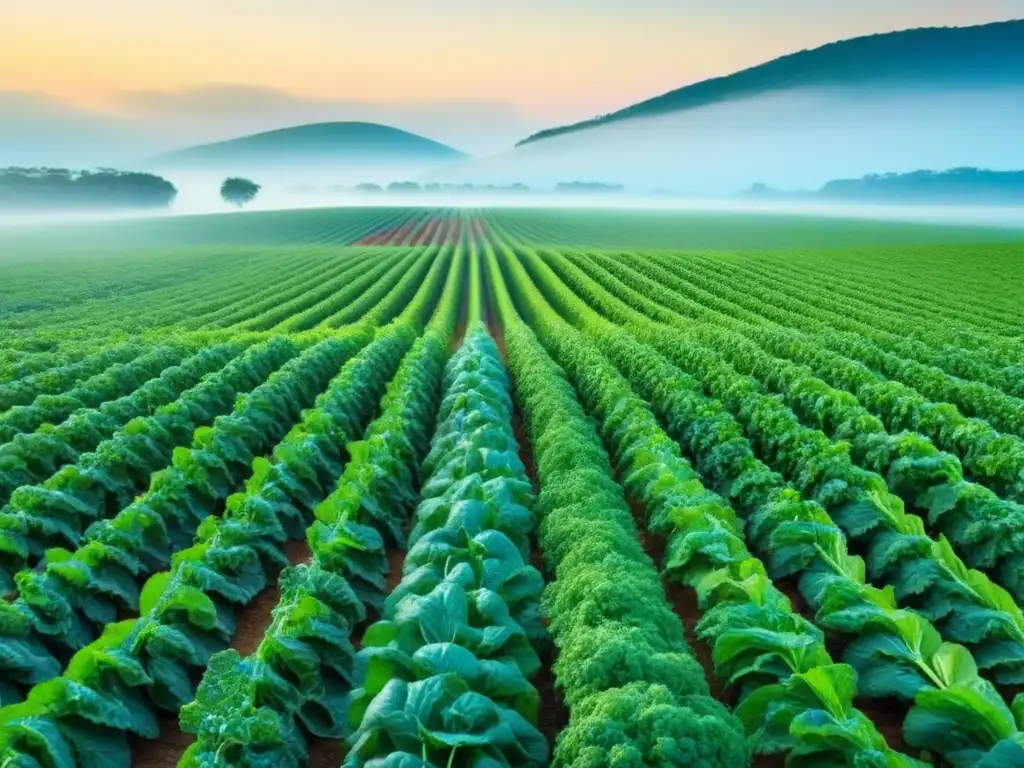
x=794, y=139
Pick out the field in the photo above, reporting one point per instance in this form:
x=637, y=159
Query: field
x=397, y=488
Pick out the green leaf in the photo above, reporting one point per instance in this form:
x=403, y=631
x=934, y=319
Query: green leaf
x=154, y=589
x=962, y=722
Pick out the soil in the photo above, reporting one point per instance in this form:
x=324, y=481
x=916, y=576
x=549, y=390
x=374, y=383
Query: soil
x=375, y=238
x=684, y=603
x=164, y=752
x=888, y=716
x=427, y=231
x=396, y=559
x=253, y=620
x=415, y=236
x=326, y=753
x=400, y=235
x=388, y=235
x=460, y=332
x=479, y=228
x=441, y=234
x=553, y=716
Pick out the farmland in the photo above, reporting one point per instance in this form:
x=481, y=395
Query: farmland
x=400, y=487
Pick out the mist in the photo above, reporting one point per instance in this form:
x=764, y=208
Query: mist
x=792, y=140
x=795, y=140
x=38, y=130
x=200, y=197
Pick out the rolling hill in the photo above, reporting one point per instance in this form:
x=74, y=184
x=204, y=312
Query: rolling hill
x=923, y=98
x=341, y=143
x=978, y=56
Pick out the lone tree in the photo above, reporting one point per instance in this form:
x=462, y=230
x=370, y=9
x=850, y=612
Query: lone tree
x=238, y=191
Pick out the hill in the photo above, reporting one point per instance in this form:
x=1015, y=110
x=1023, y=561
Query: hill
x=340, y=142
x=961, y=186
x=985, y=55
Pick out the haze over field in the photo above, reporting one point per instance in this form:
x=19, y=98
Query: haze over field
x=794, y=139
x=691, y=101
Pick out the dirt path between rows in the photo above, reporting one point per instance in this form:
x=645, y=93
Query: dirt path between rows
x=256, y=617
x=553, y=716
x=683, y=602
x=253, y=620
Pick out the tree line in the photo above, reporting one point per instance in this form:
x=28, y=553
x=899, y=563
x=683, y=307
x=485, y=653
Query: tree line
x=45, y=188
x=960, y=185
x=412, y=186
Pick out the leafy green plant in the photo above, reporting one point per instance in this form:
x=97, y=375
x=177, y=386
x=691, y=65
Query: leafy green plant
x=617, y=637
x=445, y=671
x=301, y=676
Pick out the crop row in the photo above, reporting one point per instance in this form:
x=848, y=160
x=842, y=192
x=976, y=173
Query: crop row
x=299, y=678
x=910, y=629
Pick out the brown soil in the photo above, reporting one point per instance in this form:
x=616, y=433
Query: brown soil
x=394, y=235
x=416, y=235
x=326, y=753
x=440, y=236
x=375, y=238
x=684, y=603
x=427, y=232
x=525, y=451
x=166, y=751
x=888, y=716
x=460, y=333
x=479, y=228
x=554, y=715
x=400, y=235
x=162, y=752
x=396, y=559
x=255, y=618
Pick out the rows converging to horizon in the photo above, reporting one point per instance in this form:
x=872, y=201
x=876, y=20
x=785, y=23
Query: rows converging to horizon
x=424, y=487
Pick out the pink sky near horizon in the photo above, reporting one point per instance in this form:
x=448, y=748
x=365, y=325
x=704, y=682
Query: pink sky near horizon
x=555, y=60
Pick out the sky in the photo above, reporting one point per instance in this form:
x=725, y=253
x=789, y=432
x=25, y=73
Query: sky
x=503, y=68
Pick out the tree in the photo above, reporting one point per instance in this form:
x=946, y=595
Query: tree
x=46, y=188
x=403, y=186
x=238, y=191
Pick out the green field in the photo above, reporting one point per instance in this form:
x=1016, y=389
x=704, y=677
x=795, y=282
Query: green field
x=398, y=488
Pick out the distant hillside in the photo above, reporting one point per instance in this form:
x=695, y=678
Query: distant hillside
x=990, y=54
x=319, y=143
x=963, y=186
